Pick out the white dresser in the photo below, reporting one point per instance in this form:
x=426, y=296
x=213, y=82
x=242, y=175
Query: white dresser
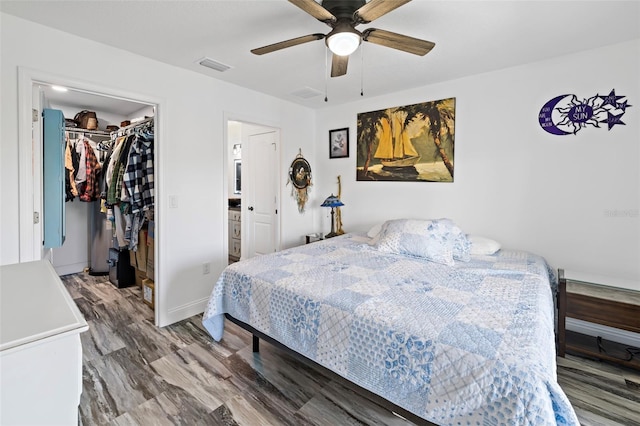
x=40, y=348
x=235, y=226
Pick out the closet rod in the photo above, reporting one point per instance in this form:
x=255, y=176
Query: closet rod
x=132, y=126
x=90, y=132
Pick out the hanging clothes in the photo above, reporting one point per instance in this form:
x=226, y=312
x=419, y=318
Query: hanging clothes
x=120, y=208
x=102, y=179
x=138, y=183
x=81, y=165
x=138, y=178
x=71, y=191
x=129, y=184
x=83, y=170
x=114, y=191
x=91, y=190
x=114, y=157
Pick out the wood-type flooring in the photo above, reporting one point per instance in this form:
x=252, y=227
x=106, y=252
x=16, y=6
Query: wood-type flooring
x=135, y=373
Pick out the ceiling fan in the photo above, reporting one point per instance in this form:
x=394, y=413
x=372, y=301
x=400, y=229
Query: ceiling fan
x=343, y=16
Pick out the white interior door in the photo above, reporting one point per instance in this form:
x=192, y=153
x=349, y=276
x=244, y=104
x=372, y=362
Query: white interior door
x=260, y=233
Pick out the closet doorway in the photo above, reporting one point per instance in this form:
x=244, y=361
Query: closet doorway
x=254, y=210
x=112, y=108
x=89, y=231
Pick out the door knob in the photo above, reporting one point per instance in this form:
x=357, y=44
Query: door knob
x=251, y=208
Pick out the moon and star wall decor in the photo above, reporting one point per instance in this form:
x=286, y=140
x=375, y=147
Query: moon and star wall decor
x=566, y=114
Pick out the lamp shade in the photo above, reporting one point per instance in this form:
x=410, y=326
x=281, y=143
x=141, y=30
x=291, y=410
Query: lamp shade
x=332, y=201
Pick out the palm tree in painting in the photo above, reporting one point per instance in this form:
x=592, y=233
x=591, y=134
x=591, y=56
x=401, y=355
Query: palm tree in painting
x=367, y=126
x=439, y=116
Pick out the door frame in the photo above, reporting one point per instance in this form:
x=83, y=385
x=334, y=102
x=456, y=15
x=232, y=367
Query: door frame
x=30, y=163
x=252, y=121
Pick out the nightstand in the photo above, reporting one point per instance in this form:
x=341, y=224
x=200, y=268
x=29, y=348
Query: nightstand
x=589, y=299
x=311, y=238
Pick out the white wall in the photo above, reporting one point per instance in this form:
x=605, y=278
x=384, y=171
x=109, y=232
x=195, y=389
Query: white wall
x=574, y=199
x=190, y=154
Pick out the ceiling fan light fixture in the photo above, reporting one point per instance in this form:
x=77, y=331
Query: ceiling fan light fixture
x=344, y=39
x=343, y=44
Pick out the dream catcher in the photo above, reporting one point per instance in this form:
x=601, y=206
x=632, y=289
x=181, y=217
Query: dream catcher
x=300, y=179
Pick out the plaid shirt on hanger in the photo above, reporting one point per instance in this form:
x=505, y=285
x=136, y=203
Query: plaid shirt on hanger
x=138, y=177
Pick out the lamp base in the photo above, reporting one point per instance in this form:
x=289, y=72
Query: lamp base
x=333, y=225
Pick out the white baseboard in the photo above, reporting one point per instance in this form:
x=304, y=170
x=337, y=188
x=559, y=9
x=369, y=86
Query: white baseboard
x=185, y=311
x=608, y=333
x=70, y=269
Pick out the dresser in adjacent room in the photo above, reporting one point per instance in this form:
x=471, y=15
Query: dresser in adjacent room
x=234, y=234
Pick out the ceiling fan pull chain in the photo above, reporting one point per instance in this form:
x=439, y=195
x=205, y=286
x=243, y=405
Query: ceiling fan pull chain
x=362, y=70
x=326, y=72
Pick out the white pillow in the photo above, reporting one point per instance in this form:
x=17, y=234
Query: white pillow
x=483, y=245
x=375, y=231
x=437, y=240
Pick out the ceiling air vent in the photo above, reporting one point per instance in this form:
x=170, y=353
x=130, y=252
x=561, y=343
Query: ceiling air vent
x=214, y=65
x=306, y=93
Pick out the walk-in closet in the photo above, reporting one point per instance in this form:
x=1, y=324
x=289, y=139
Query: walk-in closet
x=107, y=224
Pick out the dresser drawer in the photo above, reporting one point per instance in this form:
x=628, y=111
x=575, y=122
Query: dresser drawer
x=234, y=248
x=606, y=312
x=234, y=229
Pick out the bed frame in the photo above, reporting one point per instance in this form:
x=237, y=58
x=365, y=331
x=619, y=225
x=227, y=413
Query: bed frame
x=377, y=399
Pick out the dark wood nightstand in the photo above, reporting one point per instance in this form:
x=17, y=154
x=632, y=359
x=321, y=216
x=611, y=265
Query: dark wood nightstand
x=587, y=299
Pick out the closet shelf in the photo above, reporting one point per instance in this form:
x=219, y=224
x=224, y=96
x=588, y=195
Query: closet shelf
x=120, y=132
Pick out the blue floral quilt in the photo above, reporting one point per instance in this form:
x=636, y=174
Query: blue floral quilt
x=471, y=343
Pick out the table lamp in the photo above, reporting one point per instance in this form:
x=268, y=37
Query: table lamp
x=333, y=202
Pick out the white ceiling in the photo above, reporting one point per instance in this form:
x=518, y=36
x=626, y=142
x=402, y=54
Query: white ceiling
x=471, y=37
x=79, y=100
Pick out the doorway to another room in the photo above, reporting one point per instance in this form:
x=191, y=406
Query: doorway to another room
x=253, y=180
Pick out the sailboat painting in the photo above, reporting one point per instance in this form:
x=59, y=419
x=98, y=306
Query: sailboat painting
x=407, y=143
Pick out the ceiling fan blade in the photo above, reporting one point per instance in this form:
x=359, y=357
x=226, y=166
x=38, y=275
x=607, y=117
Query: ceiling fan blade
x=314, y=9
x=375, y=9
x=339, y=65
x=397, y=41
x=287, y=43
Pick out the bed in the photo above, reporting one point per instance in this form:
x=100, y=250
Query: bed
x=414, y=315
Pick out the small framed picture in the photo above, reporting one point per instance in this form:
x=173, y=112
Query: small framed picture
x=339, y=143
